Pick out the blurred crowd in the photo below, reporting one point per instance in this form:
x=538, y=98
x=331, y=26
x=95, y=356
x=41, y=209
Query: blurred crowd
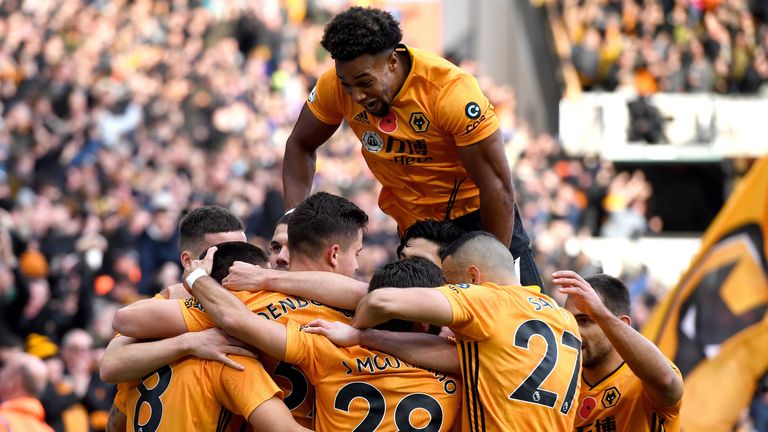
x=118, y=116
x=674, y=46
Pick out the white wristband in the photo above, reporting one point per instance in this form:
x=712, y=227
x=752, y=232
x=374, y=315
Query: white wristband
x=194, y=276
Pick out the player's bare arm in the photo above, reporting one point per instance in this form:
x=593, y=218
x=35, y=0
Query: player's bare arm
x=116, y=422
x=274, y=416
x=643, y=357
x=127, y=359
x=487, y=166
x=425, y=305
x=422, y=349
x=328, y=288
x=299, y=160
x=150, y=319
x=231, y=314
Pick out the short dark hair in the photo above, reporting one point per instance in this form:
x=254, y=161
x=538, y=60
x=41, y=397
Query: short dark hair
x=285, y=219
x=206, y=220
x=614, y=293
x=359, y=31
x=229, y=252
x=441, y=232
x=323, y=219
x=457, y=244
x=407, y=273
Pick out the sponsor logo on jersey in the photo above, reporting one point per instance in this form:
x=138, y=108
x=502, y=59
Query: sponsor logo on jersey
x=407, y=152
x=471, y=126
x=372, y=141
x=192, y=303
x=419, y=122
x=362, y=117
x=472, y=111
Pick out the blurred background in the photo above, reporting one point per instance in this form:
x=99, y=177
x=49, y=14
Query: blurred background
x=627, y=123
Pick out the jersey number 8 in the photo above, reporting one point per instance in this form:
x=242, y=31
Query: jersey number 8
x=152, y=398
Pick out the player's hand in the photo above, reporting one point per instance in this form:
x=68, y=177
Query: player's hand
x=206, y=264
x=340, y=334
x=579, y=291
x=447, y=333
x=214, y=344
x=246, y=277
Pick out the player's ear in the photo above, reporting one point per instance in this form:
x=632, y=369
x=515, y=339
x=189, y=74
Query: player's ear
x=332, y=255
x=392, y=62
x=626, y=319
x=473, y=274
x=186, y=258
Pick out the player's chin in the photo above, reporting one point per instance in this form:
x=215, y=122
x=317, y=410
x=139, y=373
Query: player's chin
x=380, y=109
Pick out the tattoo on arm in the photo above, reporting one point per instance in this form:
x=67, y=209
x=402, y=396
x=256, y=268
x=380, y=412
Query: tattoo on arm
x=116, y=421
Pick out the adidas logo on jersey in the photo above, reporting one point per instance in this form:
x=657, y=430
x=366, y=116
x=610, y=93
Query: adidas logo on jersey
x=362, y=117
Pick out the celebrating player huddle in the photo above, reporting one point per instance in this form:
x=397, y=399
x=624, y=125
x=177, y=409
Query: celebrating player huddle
x=456, y=336
x=513, y=361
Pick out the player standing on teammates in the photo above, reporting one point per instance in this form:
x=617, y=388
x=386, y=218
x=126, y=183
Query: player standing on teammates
x=628, y=384
x=518, y=352
x=429, y=134
x=355, y=388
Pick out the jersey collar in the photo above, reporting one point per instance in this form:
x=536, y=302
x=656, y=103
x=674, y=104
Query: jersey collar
x=401, y=48
x=603, y=379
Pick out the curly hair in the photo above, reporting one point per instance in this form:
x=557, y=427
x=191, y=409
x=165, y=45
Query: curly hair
x=359, y=31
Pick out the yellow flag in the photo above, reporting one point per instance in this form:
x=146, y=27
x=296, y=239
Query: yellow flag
x=710, y=322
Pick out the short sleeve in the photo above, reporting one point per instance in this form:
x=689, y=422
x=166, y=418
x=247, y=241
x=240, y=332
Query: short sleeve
x=195, y=316
x=670, y=411
x=121, y=398
x=241, y=392
x=325, y=99
x=307, y=351
x=474, y=309
x=465, y=112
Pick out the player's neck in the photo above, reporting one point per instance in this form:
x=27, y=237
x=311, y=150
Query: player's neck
x=300, y=263
x=403, y=69
x=598, y=373
x=15, y=393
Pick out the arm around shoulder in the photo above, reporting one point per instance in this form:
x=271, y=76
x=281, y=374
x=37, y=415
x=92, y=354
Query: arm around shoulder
x=150, y=319
x=426, y=305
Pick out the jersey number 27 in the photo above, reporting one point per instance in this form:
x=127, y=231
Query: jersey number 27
x=530, y=390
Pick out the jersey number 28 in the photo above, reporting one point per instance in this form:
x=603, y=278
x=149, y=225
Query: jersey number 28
x=377, y=408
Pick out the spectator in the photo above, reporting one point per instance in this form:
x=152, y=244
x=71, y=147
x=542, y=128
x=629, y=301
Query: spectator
x=22, y=379
x=669, y=46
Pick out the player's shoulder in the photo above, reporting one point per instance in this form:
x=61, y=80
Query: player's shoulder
x=434, y=69
x=328, y=79
x=536, y=303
